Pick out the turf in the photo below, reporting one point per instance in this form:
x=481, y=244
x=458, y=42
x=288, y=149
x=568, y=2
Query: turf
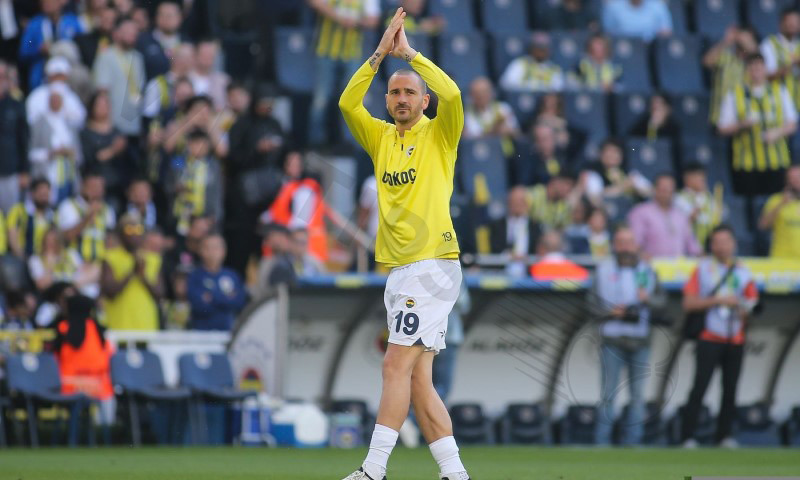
x=488, y=463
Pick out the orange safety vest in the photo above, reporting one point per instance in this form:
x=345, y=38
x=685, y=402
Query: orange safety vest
x=566, y=270
x=86, y=369
x=281, y=213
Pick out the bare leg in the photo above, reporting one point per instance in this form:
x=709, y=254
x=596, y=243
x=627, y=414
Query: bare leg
x=398, y=364
x=432, y=416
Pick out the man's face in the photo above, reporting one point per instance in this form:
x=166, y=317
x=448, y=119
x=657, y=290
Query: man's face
x=611, y=156
x=168, y=18
x=41, y=195
x=206, y=55
x=51, y=7
x=481, y=93
x=517, y=202
x=182, y=59
x=94, y=188
x=405, y=100
x=132, y=234
x=598, y=48
x=213, y=250
x=723, y=245
x=663, y=191
x=757, y=71
x=544, y=139
x=540, y=53
x=793, y=180
x=625, y=242
x=199, y=228
x=695, y=181
x=198, y=147
x=790, y=26
x=560, y=187
x=239, y=99
x=126, y=34
x=140, y=193
x=108, y=17
x=300, y=242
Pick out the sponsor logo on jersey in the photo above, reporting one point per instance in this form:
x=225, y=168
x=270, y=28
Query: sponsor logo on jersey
x=410, y=303
x=400, y=178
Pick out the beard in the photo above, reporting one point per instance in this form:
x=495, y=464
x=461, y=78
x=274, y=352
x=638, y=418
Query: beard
x=405, y=114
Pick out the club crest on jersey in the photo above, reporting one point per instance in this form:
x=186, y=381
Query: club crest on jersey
x=410, y=303
x=409, y=151
x=400, y=178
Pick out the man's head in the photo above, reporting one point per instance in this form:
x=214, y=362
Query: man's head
x=57, y=69
x=518, y=202
x=625, y=247
x=140, y=193
x=279, y=239
x=199, y=228
x=663, y=190
x=790, y=23
x=539, y=47
x=559, y=186
x=184, y=92
x=198, y=144
x=206, y=55
x=40, y=193
x=597, y=220
x=93, y=187
x=52, y=8
x=168, y=17
x=793, y=180
x=131, y=232
x=694, y=177
x=597, y=47
x=481, y=93
x=550, y=242
x=182, y=59
x=299, y=242
x=153, y=241
x=611, y=154
x=106, y=19
x=238, y=98
x=293, y=165
x=213, y=250
x=722, y=242
x=756, y=69
x=125, y=33
x=407, y=97
x=544, y=139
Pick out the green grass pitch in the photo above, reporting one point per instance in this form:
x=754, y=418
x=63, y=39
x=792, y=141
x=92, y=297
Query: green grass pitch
x=485, y=463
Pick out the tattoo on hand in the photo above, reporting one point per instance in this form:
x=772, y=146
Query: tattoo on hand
x=374, y=59
x=408, y=58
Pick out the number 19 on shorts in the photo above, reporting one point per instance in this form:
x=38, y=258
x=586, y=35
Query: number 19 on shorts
x=408, y=322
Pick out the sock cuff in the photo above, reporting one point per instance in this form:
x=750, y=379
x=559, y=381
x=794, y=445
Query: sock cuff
x=442, y=442
x=384, y=430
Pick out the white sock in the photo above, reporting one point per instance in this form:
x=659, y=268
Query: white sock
x=383, y=441
x=445, y=452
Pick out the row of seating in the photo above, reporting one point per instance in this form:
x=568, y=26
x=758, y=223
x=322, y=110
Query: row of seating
x=34, y=383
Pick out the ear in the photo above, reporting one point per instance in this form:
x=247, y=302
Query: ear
x=426, y=99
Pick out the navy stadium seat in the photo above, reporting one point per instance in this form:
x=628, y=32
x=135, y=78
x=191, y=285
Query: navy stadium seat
x=543, y=11
x=470, y=425
x=713, y=154
x=525, y=423
x=524, y=106
x=791, y=428
x=587, y=111
x=754, y=427
x=617, y=208
x=567, y=48
x=654, y=431
x=375, y=103
x=483, y=172
x=506, y=47
x=691, y=115
x=737, y=219
x=677, y=8
x=463, y=57
x=704, y=433
x=764, y=15
x=632, y=56
x=294, y=59
x=504, y=15
x=649, y=157
x=678, y=65
x=578, y=425
x=458, y=14
x=464, y=220
x=419, y=42
x=713, y=17
x=626, y=108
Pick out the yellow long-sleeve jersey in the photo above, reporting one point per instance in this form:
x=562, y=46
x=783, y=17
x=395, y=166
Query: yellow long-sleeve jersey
x=414, y=172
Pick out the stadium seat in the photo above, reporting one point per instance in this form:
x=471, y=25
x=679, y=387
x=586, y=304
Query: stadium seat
x=587, y=111
x=506, y=47
x=359, y=408
x=463, y=57
x=754, y=427
x=691, y=115
x=713, y=17
x=654, y=432
x=210, y=378
x=375, y=102
x=764, y=15
x=524, y=106
x=578, y=425
x=632, y=56
x=677, y=8
x=567, y=48
x=737, y=219
x=239, y=53
x=461, y=211
x=483, y=171
x=458, y=14
x=713, y=154
x=791, y=428
x=138, y=378
x=36, y=381
x=678, y=65
x=420, y=42
x=504, y=15
x=294, y=59
x=470, y=426
x=524, y=423
x=706, y=427
x=617, y=208
x=649, y=157
x=626, y=108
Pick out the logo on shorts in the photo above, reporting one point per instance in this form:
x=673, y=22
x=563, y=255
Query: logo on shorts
x=410, y=303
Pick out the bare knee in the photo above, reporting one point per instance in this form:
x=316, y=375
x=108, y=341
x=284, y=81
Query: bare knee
x=395, y=368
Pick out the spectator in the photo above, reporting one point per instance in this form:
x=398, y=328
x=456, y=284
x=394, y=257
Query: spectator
x=644, y=19
x=131, y=281
x=85, y=219
x=780, y=53
x=550, y=112
x=257, y=138
x=553, y=264
x=517, y=233
x=534, y=72
x=339, y=39
x=97, y=39
x=414, y=21
x=140, y=203
x=120, y=70
x=759, y=115
x=306, y=264
x=277, y=266
x=176, y=308
x=545, y=161
x=13, y=143
x=588, y=233
x=41, y=32
x=551, y=203
x=205, y=77
x=158, y=47
x=59, y=263
x=196, y=183
x=658, y=122
x=721, y=342
x=16, y=313
x=55, y=149
x=38, y=102
x=29, y=220
x=596, y=71
x=216, y=294
x=781, y=214
x=608, y=177
x=624, y=293
x=661, y=228
x=485, y=116
x=703, y=207
x=80, y=77
x=726, y=60
x=15, y=15
x=186, y=251
x=160, y=92
x=104, y=147
x=237, y=105
x=197, y=114
x=575, y=15
x=124, y=7
x=90, y=12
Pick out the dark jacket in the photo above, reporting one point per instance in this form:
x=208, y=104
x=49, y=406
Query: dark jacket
x=498, y=236
x=13, y=137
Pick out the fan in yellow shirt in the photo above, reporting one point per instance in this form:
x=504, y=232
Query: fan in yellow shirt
x=414, y=161
x=782, y=214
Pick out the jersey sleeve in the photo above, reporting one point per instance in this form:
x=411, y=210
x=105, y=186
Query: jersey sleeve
x=365, y=128
x=450, y=114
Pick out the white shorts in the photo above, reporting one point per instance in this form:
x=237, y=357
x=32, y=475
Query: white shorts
x=419, y=297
